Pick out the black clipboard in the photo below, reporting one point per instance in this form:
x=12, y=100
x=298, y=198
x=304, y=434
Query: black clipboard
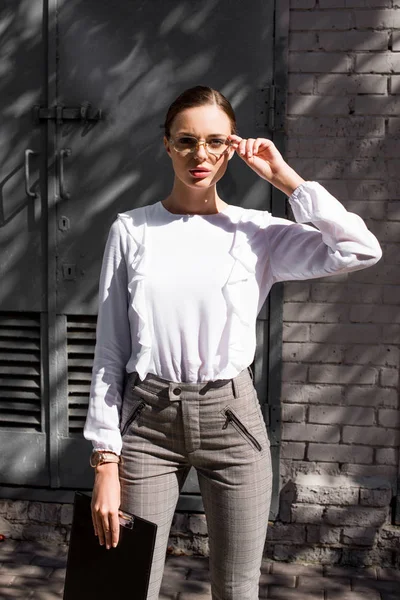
x=95, y=573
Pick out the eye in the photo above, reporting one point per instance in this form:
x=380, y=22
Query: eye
x=217, y=143
x=187, y=141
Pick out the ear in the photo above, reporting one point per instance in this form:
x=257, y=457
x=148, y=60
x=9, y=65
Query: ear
x=167, y=146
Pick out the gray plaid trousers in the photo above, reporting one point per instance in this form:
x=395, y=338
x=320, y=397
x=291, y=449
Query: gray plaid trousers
x=218, y=428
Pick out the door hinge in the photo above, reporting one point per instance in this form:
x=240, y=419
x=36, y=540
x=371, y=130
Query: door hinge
x=269, y=108
x=83, y=113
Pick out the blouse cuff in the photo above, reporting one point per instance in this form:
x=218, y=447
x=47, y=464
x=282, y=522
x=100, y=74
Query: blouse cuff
x=304, y=200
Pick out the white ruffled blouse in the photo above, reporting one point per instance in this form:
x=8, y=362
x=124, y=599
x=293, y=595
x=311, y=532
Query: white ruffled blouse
x=179, y=294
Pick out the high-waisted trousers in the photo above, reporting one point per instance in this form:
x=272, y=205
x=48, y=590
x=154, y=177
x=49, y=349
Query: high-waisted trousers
x=218, y=428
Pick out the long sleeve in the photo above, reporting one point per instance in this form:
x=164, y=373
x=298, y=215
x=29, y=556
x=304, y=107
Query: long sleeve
x=113, y=347
x=339, y=241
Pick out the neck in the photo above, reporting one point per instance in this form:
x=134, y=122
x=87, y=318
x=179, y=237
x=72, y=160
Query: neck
x=185, y=200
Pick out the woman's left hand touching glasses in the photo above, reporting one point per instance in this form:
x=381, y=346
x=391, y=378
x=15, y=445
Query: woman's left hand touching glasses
x=261, y=155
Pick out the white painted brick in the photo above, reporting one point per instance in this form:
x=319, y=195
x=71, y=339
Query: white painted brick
x=342, y=414
x=376, y=105
x=387, y=232
x=313, y=433
x=322, y=62
x=396, y=40
x=301, y=84
x=368, y=3
x=294, y=372
x=374, y=355
x=293, y=450
x=353, y=40
x=376, y=62
x=334, y=85
x=391, y=334
x=291, y=533
x=342, y=374
x=354, y=333
x=356, y=470
x=296, y=291
x=295, y=332
x=313, y=353
x=374, y=19
x=323, y=534
x=370, y=396
x=306, y=514
x=293, y=413
x=299, y=104
x=316, y=313
x=389, y=418
x=359, y=536
x=387, y=456
x=376, y=497
x=311, y=394
x=367, y=210
x=393, y=211
x=340, y=453
x=302, y=4
x=320, y=19
x=378, y=274
x=339, y=127
x=354, y=515
x=333, y=292
x=315, y=168
x=374, y=436
x=391, y=253
x=393, y=127
x=363, y=313
x=302, y=40
x=391, y=294
x=389, y=377
x=395, y=84
x=291, y=468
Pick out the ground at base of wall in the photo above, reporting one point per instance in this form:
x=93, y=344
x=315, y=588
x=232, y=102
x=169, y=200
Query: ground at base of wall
x=36, y=570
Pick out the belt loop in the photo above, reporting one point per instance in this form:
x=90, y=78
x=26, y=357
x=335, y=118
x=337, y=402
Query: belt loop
x=235, y=389
x=251, y=372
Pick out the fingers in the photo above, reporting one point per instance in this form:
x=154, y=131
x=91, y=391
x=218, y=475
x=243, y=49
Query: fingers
x=247, y=148
x=106, y=527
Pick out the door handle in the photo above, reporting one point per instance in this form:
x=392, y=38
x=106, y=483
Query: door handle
x=29, y=192
x=63, y=192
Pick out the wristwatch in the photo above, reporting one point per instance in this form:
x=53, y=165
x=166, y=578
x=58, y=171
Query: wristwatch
x=99, y=457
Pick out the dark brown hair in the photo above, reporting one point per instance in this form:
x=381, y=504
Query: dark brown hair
x=199, y=95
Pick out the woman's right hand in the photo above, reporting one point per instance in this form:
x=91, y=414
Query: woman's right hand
x=105, y=504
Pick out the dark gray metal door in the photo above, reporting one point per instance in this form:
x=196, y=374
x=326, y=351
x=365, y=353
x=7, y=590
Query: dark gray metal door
x=128, y=60
x=23, y=247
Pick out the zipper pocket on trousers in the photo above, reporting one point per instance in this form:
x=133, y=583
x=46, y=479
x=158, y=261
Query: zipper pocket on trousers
x=231, y=417
x=135, y=413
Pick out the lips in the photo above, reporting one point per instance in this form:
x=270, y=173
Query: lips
x=199, y=172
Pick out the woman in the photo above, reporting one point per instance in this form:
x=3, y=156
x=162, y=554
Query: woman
x=181, y=285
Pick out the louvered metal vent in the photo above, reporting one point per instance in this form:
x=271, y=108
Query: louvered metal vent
x=81, y=339
x=20, y=398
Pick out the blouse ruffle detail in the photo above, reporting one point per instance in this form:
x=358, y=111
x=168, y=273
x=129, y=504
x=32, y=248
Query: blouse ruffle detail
x=238, y=295
x=137, y=273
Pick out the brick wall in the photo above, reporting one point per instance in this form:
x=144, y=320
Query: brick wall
x=340, y=390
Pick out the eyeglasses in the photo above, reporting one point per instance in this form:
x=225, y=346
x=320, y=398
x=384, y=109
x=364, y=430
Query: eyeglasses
x=188, y=145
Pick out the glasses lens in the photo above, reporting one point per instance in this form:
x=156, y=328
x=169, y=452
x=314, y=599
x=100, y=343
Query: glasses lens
x=217, y=146
x=185, y=144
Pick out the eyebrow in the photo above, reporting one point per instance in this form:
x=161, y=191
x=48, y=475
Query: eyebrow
x=209, y=135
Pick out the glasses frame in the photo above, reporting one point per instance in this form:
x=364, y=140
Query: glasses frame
x=198, y=144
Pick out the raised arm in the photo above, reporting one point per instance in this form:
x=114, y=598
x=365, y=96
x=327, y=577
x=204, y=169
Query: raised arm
x=341, y=243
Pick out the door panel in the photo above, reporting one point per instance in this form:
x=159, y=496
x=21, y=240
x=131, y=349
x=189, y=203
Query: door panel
x=131, y=61
x=23, y=422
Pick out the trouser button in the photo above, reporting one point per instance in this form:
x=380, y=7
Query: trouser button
x=177, y=391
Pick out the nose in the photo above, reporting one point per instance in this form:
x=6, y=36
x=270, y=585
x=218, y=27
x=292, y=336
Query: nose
x=201, y=151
